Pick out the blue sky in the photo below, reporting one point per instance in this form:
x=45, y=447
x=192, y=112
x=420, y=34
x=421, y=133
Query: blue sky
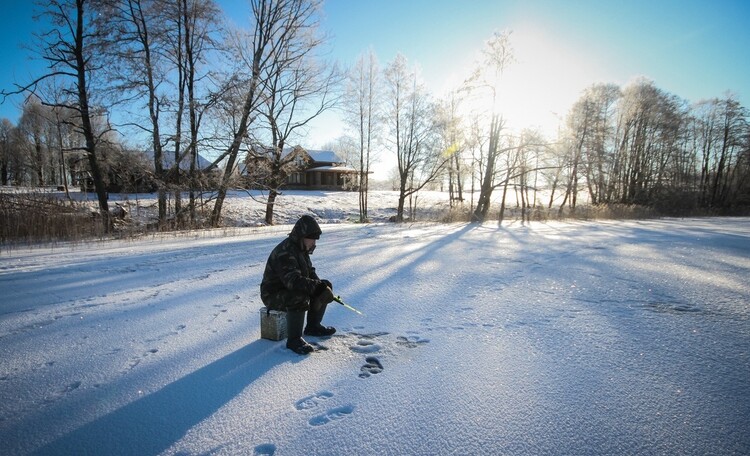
x=690, y=48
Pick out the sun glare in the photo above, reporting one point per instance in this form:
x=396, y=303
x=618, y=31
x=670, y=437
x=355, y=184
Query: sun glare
x=538, y=89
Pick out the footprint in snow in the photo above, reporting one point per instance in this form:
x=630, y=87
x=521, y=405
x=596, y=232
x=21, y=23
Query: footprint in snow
x=71, y=387
x=412, y=341
x=313, y=401
x=372, y=366
x=133, y=363
x=266, y=449
x=365, y=341
x=365, y=346
x=331, y=415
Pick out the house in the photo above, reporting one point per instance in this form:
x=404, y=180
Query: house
x=317, y=170
x=320, y=169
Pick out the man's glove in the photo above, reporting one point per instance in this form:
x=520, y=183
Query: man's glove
x=328, y=284
x=323, y=292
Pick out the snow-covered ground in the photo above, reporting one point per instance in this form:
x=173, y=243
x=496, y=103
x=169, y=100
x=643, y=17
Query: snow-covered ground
x=564, y=338
x=248, y=208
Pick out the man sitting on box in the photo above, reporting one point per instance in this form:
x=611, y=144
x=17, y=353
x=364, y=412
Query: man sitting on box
x=290, y=284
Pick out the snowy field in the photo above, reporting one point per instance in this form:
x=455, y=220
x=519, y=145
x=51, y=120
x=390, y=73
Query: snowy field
x=580, y=338
x=248, y=208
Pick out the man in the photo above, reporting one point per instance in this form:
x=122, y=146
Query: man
x=290, y=284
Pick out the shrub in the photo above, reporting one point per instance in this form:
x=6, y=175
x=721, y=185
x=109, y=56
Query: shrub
x=37, y=217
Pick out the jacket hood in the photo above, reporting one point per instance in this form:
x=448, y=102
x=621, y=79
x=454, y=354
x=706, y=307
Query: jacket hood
x=306, y=227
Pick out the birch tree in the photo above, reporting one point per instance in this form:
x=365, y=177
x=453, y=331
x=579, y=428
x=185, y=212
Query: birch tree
x=6, y=129
x=278, y=27
x=363, y=116
x=141, y=68
x=412, y=131
x=73, y=48
x=298, y=87
x=497, y=56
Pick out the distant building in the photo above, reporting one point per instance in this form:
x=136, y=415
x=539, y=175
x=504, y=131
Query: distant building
x=317, y=170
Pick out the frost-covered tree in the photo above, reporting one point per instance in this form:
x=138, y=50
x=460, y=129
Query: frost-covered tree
x=413, y=132
x=74, y=48
x=486, y=80
x=362, y=108
x=275, y=77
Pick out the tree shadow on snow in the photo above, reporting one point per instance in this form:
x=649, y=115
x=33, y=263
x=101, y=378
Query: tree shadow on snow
x=153, y=423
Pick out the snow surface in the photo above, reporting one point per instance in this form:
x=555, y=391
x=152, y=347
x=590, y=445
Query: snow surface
x=247, y=208
x=585, y=338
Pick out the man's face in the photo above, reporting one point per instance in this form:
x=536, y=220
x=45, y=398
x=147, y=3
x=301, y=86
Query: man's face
x=309, y=245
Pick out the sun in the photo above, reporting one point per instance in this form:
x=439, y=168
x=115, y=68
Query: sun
x=538, y=89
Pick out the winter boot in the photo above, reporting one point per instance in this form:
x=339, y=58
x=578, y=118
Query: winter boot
x=314, y=317
x=294, y=341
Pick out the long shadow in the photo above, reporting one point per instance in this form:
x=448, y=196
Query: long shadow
x=400, y=265
x=155, y=422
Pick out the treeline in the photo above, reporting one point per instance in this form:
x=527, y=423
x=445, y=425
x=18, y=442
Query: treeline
x=177, y=77
x=44, y=149
x=174, y=79
x=623, y=150
x=642, y=145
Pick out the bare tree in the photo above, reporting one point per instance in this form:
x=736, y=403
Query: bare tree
x=582, y=113
x=6, y=129
x=454, y=146
x=591, y=127
x=488, y=182
x=413, y=131
x=64, y=138
x=298, y=88
x=72, y=48
x=733, y=126
x=278, y=29
x=363, y=116
x=199, y=22
x=530, y=163
x=17, y=168
x=649, y=129
x=498, y=55
x=32, y=125
x=191, y=28
x=140, y=67
x=476, y=141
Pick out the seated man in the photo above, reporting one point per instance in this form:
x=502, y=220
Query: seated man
x=290, y=284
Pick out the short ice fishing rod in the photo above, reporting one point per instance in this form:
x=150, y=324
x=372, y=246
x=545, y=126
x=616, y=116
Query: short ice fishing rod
x=340, y=301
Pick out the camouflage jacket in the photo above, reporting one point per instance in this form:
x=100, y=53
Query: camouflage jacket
x=289, y=266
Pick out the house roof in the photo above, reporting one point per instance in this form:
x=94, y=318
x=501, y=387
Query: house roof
x=325, y=156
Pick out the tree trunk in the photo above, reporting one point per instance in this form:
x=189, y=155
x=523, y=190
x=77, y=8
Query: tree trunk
x=485, y=192
x=88, y=130
x=269, y=206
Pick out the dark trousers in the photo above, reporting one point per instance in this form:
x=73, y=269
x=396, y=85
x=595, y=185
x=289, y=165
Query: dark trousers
x=295, y=301
x=287, y=301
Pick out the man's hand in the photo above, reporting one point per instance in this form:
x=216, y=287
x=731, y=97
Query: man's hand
x=323, y=293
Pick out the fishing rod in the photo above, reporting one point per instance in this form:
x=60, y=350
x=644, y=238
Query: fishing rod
x=340, y=301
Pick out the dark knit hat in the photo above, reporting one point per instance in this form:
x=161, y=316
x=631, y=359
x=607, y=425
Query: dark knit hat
x=306, y=227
